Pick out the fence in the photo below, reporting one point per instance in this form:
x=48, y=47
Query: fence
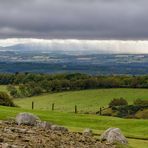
x=53, y=107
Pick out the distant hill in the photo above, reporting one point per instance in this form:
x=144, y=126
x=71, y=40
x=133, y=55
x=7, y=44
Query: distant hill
x=53, y=59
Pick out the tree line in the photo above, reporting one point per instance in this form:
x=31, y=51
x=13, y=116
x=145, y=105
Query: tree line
x=30, y=84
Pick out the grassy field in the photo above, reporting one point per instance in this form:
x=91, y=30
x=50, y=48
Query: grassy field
x=77, y=122
x=86, y=100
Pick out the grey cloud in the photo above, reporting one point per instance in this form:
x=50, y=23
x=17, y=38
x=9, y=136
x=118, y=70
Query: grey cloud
x=82, y=19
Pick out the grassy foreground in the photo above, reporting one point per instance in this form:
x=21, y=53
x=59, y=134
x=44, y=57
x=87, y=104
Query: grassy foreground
x=86, y=100
x=77, y=122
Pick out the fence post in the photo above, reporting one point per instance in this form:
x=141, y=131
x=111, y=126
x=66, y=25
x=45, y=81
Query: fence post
x=32, y=105
x=52, y=107
x=76, y=111
x=100, y=111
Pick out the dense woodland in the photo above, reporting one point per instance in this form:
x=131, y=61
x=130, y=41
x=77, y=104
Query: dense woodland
x=29, y=84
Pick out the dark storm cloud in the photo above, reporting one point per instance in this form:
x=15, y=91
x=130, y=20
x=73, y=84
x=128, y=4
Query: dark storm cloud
x=82, y=19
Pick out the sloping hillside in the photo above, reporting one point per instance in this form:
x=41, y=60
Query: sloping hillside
x=86, y=100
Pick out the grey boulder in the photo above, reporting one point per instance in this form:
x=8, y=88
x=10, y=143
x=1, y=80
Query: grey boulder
x=113, y=135
x=27, y=119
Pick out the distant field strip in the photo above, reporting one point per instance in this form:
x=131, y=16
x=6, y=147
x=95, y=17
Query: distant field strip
x=86, y=100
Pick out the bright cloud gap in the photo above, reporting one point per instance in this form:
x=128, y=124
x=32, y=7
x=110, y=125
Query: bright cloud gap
x=102, y=46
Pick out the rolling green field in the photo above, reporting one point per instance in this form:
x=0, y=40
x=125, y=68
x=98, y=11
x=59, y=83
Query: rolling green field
x=86, y=100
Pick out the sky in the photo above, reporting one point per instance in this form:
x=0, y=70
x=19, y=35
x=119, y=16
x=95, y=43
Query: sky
x=78, y=19
x=89, y=20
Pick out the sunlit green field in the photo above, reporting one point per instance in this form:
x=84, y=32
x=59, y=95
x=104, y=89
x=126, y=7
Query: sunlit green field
x=86, y=100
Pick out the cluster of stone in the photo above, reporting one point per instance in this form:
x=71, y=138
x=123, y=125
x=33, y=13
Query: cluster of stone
x=28, y=131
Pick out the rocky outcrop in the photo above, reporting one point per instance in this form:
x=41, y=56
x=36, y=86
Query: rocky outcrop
x=113, y=135
x=23, y=136
x=27, y=119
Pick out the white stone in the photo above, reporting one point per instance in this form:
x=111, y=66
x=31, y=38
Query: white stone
x=113, y=135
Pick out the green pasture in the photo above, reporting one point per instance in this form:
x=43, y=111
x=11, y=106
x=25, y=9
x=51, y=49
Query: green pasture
x=86, y=100
x=136, y=130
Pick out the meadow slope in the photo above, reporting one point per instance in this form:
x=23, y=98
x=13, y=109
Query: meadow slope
x=86, y=100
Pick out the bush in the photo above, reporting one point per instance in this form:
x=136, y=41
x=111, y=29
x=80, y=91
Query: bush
x=118, y=102
x=142, y=114
x=5, y=99
x=141, y=102
x=107, y=112
x=13, y=91
x=127, y=110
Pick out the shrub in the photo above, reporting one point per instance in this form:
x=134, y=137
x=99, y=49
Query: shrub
x=5, y=99
x=107, y=112
x=142, y=114
x=127, y=110
x=141, y=102
x=118, y=102
x=13, y=91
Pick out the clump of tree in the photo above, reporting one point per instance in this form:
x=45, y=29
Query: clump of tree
x=119, y=107
x=30, y=89
x=5, y=100
x=118, y=102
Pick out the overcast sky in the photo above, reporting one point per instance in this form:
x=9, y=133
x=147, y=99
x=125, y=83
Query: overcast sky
x=119, y=26
x=74, y=19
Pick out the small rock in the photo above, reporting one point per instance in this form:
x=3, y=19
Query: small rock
x=59, y=128
x=20, y=130
x=31, y=132
x=14, y=146
x=113, y=135
x=7, y=130
x=26, y=119
x=87, y=132
x=44, y=125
